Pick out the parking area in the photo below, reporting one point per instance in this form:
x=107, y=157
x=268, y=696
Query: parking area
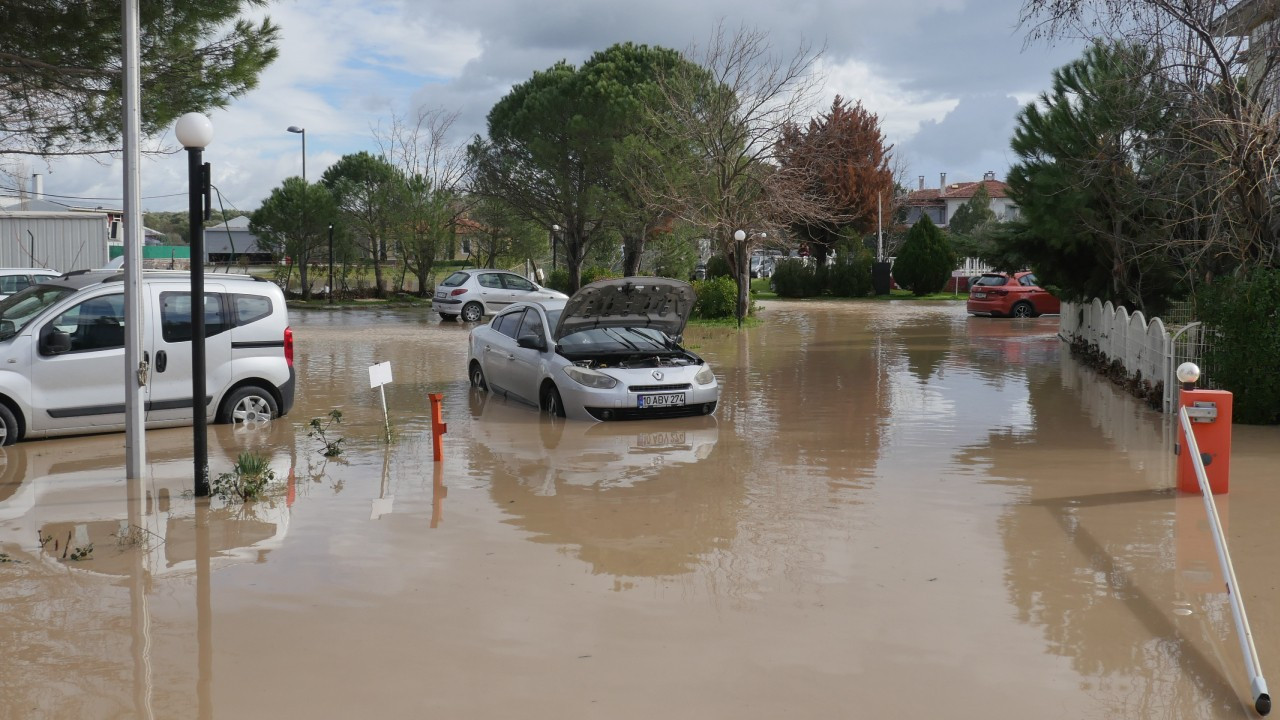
x=897, y=509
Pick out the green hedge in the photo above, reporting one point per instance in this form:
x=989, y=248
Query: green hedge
x=850, y=276
x=717, y=298
x=1244, y=353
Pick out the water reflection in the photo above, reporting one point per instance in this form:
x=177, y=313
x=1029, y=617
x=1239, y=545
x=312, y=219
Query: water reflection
x=84, y=566
x=636, y=498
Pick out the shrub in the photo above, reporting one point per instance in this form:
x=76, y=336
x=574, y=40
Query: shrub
x=1244, y=355
x=594, y=273
x=717, y=298
x=926, y=259
x=851, y=274
x=558, y=280
x=798, y=278
x=248, y=479
x=718, y=266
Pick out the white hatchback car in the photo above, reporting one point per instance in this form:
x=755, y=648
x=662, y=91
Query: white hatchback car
x=14, y=280
x=472, y=294
x=611, y=352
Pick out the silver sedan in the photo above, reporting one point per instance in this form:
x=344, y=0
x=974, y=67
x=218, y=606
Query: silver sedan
x=611, y=352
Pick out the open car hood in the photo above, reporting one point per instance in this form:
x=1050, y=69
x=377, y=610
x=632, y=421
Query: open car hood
x=641, y=302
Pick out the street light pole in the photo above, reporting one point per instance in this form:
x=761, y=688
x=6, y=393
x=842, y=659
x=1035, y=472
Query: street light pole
x=555, y=245
x=330, y=263
x=195, y=132
x=303, y=131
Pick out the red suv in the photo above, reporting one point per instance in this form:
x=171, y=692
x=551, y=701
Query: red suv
x=998, y=294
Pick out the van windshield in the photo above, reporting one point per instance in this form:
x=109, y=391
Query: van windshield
x=18, y=309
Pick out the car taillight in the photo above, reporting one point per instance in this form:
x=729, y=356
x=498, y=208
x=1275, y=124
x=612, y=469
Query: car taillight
x=459, y=291
x=1001, y=293
x=288, y=346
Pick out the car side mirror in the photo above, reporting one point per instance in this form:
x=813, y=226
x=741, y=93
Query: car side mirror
x=532, y=342
x=55, y=342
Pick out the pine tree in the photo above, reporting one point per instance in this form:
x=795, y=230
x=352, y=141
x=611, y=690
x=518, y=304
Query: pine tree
x=925, y=261
x=60, y=72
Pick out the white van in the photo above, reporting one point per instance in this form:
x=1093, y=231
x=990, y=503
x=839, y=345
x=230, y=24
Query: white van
x=13, y=280
x=62, y=353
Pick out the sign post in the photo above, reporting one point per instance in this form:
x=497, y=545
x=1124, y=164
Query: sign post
x=380, y=375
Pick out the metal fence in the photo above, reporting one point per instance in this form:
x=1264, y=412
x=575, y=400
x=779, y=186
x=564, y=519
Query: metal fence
x=1149, y=348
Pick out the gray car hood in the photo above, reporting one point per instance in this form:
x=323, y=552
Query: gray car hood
x=644, y=302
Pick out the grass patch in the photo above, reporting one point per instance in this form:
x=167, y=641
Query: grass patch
x=750, y=321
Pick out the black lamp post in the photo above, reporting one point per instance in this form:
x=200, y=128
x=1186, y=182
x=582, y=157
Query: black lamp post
x=555, y=245
x=330, y=263
x=195, y=132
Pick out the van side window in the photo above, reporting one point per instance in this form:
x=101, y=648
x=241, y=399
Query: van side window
x=95, y=324
x=250, y=308
x=175, y=316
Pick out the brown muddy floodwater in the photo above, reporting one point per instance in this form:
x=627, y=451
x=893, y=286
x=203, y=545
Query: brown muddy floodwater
x=897, y=511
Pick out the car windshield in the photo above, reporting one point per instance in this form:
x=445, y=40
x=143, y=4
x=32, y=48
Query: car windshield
x=616, y=340
x=18, y=309
x=455, y=279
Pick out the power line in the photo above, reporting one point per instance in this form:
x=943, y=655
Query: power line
x=82, y=197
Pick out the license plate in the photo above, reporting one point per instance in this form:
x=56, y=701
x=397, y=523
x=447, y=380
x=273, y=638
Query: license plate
x=660, y=400
x=980, y=295
x=660, y=439
x=440, y=294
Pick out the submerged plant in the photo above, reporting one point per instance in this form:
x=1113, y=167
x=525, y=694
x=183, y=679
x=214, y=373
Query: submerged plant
x=320, y=429
x=82, y=553
x=247, y=480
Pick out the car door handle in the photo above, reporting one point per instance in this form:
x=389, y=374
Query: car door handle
x=162, y=361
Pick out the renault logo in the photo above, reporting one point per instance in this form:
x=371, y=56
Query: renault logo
x=657, y=375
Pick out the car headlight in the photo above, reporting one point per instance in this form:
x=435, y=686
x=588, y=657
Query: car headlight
x=705, y=376
x=590, y=378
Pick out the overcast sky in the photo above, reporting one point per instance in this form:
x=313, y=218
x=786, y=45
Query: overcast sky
x=946, y=77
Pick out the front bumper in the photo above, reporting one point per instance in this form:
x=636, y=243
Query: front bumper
x=622, y=403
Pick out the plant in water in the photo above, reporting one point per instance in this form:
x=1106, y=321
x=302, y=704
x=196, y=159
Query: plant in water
x=82, y=553
x=247, y=480
x=320, y=429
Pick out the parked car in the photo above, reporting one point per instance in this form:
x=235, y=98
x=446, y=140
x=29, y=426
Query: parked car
x=62, y=350
x=611, y=352
x=1003, y=295
x=472, y=294
x=13, y=280
x=762, y=266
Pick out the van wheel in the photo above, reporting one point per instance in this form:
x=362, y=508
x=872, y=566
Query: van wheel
x=8, y=427
x=472, y=312
x=250, y=405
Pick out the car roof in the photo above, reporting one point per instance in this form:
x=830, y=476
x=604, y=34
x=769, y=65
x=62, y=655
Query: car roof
x=85, y=278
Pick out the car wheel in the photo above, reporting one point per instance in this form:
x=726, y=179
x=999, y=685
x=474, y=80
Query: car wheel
x=551, y=402
x=472, y=312
x=1022, y=309
x=8, y=426
x=477, y=376
x=249, y=405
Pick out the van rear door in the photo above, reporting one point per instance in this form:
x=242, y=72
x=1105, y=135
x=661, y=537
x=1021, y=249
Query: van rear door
x=169, y=347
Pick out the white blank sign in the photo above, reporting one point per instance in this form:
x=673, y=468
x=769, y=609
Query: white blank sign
x=379, y=374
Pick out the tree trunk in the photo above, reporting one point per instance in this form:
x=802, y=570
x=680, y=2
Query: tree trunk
x=630, y=260
x=377, y=276
x=303, y=281
x=424, y=277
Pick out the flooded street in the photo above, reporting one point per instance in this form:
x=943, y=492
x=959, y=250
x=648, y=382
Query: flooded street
x=897, y=510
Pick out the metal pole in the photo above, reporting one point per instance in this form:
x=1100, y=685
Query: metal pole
x=135, y=368
x=330, y=263
x=1257, y=684
x=199, y=433
x=879, y=228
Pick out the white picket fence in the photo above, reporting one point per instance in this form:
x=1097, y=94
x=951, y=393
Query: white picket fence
x=1144, y=346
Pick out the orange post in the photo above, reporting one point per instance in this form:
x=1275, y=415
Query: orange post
x=1213, y=436
x=438, y=427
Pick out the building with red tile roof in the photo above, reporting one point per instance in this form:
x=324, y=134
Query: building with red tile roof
x=941, y=203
